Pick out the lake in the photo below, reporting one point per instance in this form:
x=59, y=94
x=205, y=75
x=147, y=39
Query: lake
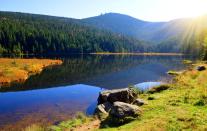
x=59, y=92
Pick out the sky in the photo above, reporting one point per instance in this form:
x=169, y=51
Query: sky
x=149, y=10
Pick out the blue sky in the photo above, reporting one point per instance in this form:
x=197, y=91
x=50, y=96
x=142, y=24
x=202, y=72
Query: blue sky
x=150, y=10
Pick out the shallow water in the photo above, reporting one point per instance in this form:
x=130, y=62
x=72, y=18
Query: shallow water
x=53, y=105
x=58, y=93
x=147, y=85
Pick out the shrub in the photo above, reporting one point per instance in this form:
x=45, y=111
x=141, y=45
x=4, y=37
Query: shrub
x=158, y=88
x=200, y=102
x=151, y=98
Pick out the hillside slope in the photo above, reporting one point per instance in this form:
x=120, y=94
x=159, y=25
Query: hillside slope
x=149, y=31
x=40, y=34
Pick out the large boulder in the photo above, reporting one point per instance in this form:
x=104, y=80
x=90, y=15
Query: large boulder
x=122, y=110
x=103, y=108
x=126, y=95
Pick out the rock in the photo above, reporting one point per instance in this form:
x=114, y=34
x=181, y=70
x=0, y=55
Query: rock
x=139, y=102
x=103, y=108
x=122, y=110
x=200, y=68
x=100, y=109
x=126, y=95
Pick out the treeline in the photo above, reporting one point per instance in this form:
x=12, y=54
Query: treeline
x=196, y=45
x=22, y=33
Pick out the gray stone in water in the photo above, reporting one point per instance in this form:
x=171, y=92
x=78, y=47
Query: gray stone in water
x=126, y=95
x=200, y=68
x=122, y=110
x=139, y=102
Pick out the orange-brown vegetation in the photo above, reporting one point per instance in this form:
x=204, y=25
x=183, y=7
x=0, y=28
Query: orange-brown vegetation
x=18, y=70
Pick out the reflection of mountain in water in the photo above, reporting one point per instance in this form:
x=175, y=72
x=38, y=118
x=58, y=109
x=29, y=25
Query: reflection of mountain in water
x=103, y=71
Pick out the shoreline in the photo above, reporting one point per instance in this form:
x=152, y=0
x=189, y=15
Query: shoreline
x=139, y=54
x=16, y=70
x=178, y=110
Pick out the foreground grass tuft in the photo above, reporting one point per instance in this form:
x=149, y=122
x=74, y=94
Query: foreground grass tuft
x=34, y=127
x=175, y=73
x=187, y=62
x=73, y=123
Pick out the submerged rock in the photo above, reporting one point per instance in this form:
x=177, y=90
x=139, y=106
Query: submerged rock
x=126, y=95
x=200, y=68
x=122, y=110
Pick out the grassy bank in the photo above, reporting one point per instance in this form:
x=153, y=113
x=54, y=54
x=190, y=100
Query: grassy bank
x=18, y=70
x=181, y=106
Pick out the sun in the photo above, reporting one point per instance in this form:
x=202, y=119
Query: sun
x=191, y=8
x=173, y=9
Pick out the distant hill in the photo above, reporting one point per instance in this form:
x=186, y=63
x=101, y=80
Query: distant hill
x=149, y=31
x=123, y=24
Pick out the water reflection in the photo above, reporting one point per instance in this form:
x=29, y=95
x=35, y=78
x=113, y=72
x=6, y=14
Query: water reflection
x=45, y=106
x=103, y=71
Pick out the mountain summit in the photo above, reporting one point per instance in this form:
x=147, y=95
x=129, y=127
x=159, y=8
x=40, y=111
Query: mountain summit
x=148, y=31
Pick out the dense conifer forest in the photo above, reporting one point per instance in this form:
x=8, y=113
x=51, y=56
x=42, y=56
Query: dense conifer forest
x=37, y=34
x=22, y=33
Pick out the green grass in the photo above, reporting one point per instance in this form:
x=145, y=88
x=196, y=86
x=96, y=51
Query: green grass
x=187, y=62
x=171, y=72
x=70, y=124
x=182, y=107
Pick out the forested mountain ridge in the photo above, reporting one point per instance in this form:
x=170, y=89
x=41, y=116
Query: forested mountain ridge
x=148, y=31
x=40, y=34
x=176, y=35
x=124, y=24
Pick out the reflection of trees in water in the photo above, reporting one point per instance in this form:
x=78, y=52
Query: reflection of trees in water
x=78, y=69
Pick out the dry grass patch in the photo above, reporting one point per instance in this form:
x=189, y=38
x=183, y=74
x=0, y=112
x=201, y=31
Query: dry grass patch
x=18, y=70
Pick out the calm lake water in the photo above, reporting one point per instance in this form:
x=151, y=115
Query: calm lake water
x=59, y=92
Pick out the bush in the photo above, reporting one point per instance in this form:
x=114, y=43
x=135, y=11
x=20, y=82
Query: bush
x=200, y=102
x=151, y=98
x=158, y=88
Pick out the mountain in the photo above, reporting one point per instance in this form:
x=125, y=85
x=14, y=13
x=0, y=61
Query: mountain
x=148, y=31
x=41, y=34
x=112, y=32
x=124, y=24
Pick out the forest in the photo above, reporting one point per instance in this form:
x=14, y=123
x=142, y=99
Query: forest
x=22, y=33
x=37, y=34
